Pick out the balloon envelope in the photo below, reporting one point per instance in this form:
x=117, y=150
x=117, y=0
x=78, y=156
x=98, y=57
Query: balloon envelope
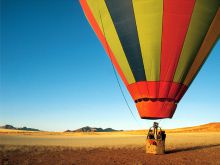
x=156, y=46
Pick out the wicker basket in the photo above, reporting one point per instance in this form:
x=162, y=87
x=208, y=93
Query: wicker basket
x=155, y=146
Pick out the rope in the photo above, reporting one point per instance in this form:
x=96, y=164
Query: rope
x=123, y=93
x=119, y=85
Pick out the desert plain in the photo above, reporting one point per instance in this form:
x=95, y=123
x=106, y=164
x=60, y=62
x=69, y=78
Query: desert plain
x=192, y=145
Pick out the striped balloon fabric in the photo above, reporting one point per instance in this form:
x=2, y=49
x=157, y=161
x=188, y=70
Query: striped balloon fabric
x=156, y=46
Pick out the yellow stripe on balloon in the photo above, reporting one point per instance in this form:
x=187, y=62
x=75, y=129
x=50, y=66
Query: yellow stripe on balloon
x=211, y=37
x=98, y=7
x=203, y=14
x=148, y=15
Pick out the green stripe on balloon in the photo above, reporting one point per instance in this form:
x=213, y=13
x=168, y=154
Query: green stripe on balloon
x=203, y=14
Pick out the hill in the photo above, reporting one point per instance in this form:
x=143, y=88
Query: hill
x=93, y=129
x=7, y=126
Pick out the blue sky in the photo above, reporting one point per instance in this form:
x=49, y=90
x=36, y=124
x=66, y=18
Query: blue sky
x=55, y=75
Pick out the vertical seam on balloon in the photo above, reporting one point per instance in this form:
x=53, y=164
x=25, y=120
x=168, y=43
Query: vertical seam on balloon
x=161, y=48
x=99, y=34
x=184, y=42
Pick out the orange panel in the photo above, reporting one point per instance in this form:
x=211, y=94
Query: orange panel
x=156, y=110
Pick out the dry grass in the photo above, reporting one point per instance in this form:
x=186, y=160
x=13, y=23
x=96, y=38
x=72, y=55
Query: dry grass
x=181, y=148
x=180, y=139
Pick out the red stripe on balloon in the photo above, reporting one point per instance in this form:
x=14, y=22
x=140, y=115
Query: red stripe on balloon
x=102, y=38
x=150, y=89
x=176, y=19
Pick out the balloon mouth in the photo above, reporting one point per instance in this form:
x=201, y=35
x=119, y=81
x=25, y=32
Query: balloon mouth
x=156, y=109
x=156, y=99
x=152, y=118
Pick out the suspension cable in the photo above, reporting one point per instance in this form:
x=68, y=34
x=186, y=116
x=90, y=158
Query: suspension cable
x=114, y=70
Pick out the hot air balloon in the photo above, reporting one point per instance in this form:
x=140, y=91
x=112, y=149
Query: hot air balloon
x=156, y=46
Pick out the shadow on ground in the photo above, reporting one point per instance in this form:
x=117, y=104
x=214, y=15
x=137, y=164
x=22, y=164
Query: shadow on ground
x=191, y=148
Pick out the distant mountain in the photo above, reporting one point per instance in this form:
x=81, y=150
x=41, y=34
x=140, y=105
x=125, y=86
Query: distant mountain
x=8, y=127
x=22, y=128
x=92, y=129
x=28, y=129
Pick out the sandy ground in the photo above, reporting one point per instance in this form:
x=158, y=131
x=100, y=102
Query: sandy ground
x=181, y=148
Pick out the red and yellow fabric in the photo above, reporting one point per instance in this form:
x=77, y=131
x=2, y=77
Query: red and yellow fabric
x=157, y=47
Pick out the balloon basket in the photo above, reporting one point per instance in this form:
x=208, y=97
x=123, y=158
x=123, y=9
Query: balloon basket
x=155, y=142
x=156, y=147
